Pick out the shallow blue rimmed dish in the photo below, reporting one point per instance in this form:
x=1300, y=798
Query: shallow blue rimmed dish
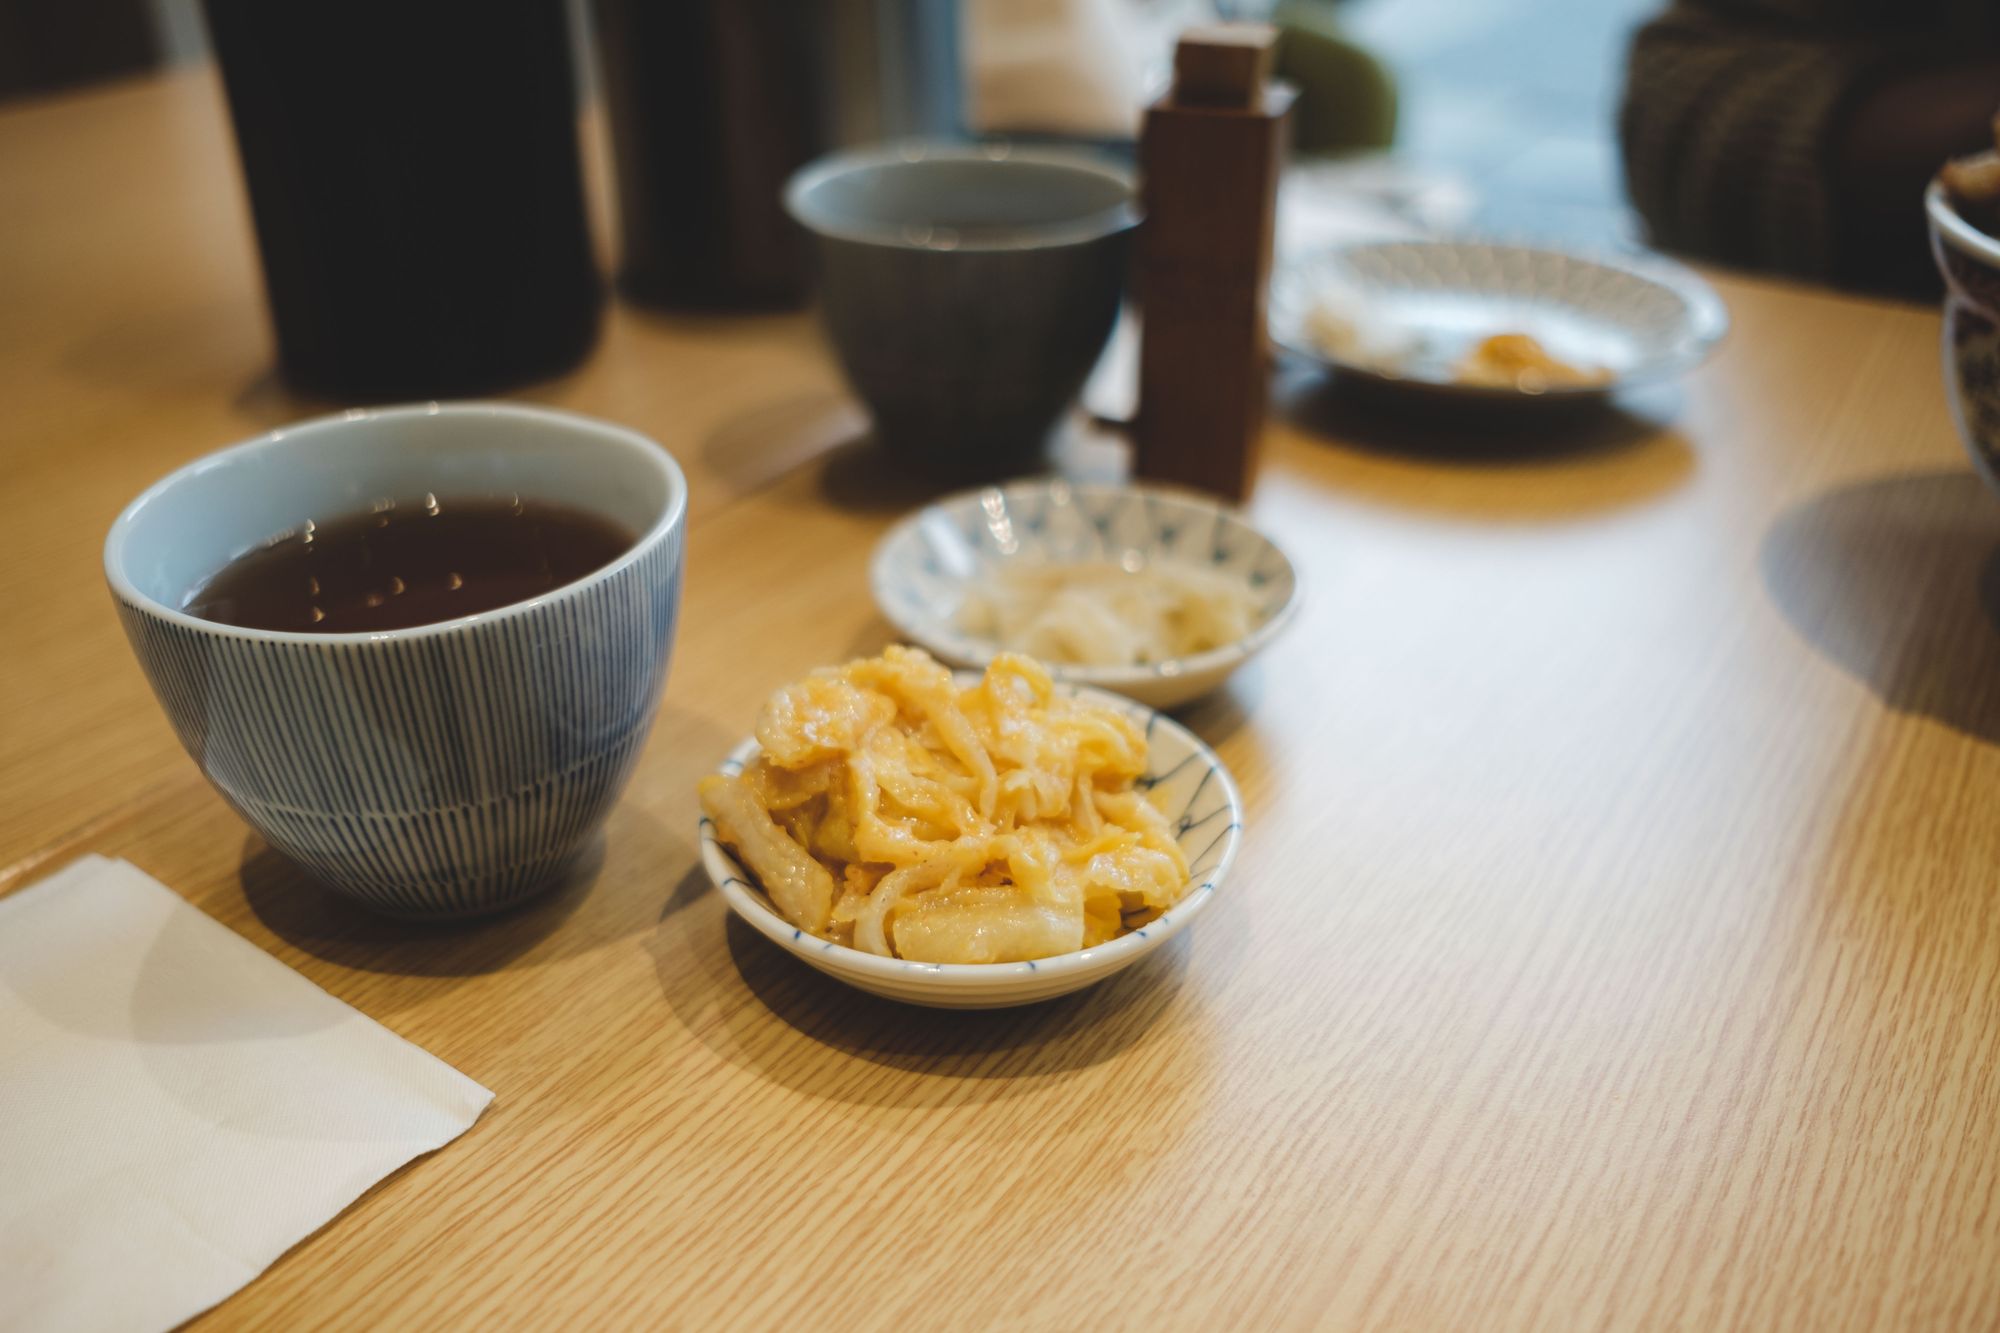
x=1188, y=782
x=1418, y=306
x=925, y=567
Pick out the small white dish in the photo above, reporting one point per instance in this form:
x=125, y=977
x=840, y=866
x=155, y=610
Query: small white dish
x=1188, y=782
x=926, y=565
x=1416, y=307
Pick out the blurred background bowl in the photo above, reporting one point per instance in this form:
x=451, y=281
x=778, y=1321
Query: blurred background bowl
x=968, y=291
x=1416, y=307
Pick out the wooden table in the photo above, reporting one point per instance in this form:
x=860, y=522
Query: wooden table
x=1616, y=940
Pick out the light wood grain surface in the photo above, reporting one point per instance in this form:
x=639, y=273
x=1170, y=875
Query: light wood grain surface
x=1616, y=940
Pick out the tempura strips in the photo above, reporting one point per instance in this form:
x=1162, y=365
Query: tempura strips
x=896, y=812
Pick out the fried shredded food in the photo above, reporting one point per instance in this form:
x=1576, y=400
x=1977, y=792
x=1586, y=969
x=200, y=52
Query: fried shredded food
x=1974, y=185
x=894, y=811
x=1098, y=613
x=1975, y=179
x=1518, y=361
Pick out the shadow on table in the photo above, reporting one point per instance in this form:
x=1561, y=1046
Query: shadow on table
x=1570, y=460
x=757, y=447
x=861, y=477
x=726, y=983
x=305, y=913
x=1897, y=581
x=183, y=344
x=573, y=917
x=1218, y=716
x=1399, y=423
x=875, y=634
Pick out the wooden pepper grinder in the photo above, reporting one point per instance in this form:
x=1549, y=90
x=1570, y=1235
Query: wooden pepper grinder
x=1209, y=158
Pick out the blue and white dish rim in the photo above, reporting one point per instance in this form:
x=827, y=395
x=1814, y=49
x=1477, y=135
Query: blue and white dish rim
x=945, y=639
x=1953, y=227
x=122, y=587
x=743, y=894
x=1707, y=315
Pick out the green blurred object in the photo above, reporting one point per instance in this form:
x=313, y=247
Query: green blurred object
x=1347, y=98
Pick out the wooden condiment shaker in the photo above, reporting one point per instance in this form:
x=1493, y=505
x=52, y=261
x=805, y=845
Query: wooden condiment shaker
x=1209, y=158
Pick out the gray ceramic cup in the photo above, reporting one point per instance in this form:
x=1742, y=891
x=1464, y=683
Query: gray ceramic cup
x=445, y=770
x=968, y=291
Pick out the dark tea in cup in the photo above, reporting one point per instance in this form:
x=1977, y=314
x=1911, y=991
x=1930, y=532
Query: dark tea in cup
x=416, y=563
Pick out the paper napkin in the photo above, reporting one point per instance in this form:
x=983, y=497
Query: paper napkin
x=178, y=1108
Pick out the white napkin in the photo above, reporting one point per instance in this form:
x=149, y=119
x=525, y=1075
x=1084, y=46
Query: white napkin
x=177, y=1108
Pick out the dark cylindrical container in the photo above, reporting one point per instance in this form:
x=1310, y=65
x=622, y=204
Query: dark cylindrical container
x=713, y=104
x=414, y=174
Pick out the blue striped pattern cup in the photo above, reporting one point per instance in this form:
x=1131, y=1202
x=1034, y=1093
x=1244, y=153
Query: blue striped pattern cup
x=445, y=770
